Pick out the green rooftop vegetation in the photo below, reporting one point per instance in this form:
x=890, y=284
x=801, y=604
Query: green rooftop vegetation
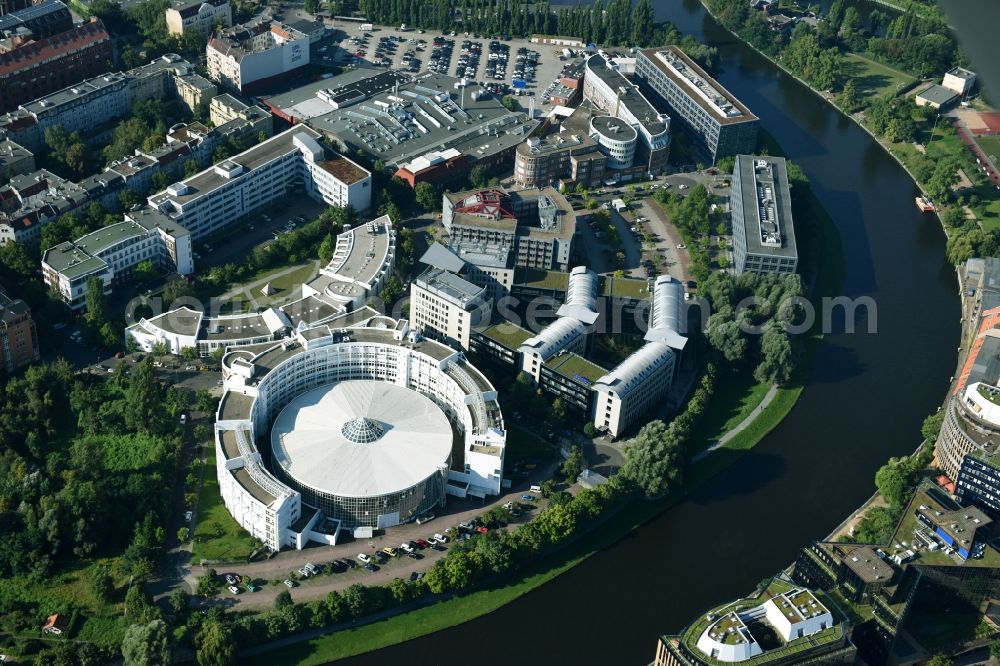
x=908, y=525
x=534, y=277
x=509, y=335
x=727, y=630
x=623, y=287
x=570, y=365
x=775, y=587
x=990, y=393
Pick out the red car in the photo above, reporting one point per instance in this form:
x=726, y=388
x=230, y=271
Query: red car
x=422, y=544
x=482, y=530
x=120, y=355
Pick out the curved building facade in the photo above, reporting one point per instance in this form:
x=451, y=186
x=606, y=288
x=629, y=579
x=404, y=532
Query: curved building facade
x=369, y=425
x=616, y=139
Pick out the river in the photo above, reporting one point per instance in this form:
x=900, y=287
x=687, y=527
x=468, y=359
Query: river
x=866, y=398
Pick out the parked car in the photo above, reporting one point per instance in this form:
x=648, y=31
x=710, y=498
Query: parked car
x=391, y=552
x=364, y=558
x=289, y=583
x=528, y=498
x=230, y=579
x=406, y=548
x=426, y=518
x=371, y=567
x=441, y=538
x=421, y=543
x=187, y=516
x=234, y=589
x=681, y=246
x=251, y=587
x=482, y=529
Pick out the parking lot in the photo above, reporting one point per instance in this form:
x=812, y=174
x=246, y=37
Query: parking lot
x=495, y=64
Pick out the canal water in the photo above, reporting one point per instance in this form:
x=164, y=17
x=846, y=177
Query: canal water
x=864, y=402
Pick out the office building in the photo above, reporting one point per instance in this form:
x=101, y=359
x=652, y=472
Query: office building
x=112, y=253
x=18, y=338
x=761, y=211
x=40, y=66
x=718, y=124
x=445, y=306
x=533, y=228
x=355, y=440
x=636, y=385
x=561, y=152
x=198, y=16
x=396, y=118
x=609, y=91
x=240, y=185
x=254, y=57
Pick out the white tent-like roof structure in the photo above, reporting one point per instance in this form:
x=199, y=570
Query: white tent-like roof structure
x=361, y=439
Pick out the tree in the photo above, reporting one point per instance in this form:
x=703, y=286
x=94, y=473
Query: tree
x=778, y=359
x=143, y=397
x=101, y=583
x=190, y=168
x=848, y=98
x=311, y=6
x=214, y=645
x=931, y=427
x=559, y=411
x=642, y=23
x=427, y=197
x=724, y=334
x=283, y=600
x=138, y=605
x=509, y=103
x=995, y=650
x=97, y=314
x=939, y=660
x=653, y=459
x=146, y=645
x=573, y=464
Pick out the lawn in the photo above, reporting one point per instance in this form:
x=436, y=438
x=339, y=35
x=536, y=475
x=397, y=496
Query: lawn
x=873, y=79
x=735, y=397
x=285, y=284
x=990, y=144
x=217, y=535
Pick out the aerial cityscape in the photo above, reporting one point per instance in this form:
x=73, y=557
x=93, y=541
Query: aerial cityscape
x=615, y=332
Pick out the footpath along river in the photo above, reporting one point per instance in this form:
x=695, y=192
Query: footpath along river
x=864, y=402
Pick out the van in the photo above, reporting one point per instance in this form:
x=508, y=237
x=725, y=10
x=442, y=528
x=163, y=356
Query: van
x=535, y=489
x=426, y=518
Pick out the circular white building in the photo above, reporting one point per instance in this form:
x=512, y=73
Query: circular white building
x=360, y=449
x=357, y=423
x=616, y=139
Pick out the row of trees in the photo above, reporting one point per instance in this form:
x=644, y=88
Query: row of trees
x=691, y=216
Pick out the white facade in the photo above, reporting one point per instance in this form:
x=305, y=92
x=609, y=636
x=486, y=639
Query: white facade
x=447, y=307
x=254, y=53
x=260, y=383
x=640, y=382
x=176, y=330
x=615, y=139
x=200, y=16
x=960, y=80
x=240, y=185
x=362, y=263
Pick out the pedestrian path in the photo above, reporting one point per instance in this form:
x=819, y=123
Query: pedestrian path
x=742, y=425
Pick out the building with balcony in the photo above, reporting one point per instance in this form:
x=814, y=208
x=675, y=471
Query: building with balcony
x=719, y=124
x=761, y=209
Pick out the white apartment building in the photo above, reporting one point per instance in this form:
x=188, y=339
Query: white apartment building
x=250, y=57
x=238, y=186
x=112, y=253
x=362, y=263
x=200, y=16
x=446, y=306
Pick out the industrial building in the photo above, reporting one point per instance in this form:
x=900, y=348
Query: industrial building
x=359, y=415
x=761, y=209
x=111, y=253
x=198, y=16
x=251, y=58
x=609, y=91
x=214, y=199
x=396, y=118
x=718, y=124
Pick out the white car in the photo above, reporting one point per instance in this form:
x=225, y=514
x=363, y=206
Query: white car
x=406, y=548
x=682, y=187
x=234, y=589
x=289, y=584
x=441, y=538
x=187, y=516
x=364, y=558
x=681, y=246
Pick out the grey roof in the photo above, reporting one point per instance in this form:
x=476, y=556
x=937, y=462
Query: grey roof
x=439, y=256
x=181, y=321
x=986, y=366
x=938, y=95
x=689, y=76
x=554, y=338
x=614, y=128
x=31, y=13
x=777, y=213
x=990, y=283
x=631, y=372
x=449, y=286
x=630, y=96
x=962, y=73
x=665, y=312
x=581, y=296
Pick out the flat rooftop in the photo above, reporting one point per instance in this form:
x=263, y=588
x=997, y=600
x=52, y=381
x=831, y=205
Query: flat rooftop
x=344, y=170
x=940, y=95
x=634, y=101
x=867, y=564
x=447, y=285
x=705, y=91
x=424, y=113
x=767, y=205
x=244, y=479
x=210, y=179
x=361, y=252
x=235, y=406
x=509, y=335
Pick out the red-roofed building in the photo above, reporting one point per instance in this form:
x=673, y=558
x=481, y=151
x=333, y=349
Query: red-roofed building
x=40, y=67
x=435, y=168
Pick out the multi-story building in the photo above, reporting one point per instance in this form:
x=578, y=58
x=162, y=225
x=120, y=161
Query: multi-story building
x=718, y=123
x=29, y=201
x=959, y=80
x=447, y=307
x=609, y=91
x=18, y=339
x=627, y=393
x=252, y=57
x=34, y=21
x=38, y=67
x=198, y=16
x=240, y=185
x=111, y=253
x=437, y=167
x=761, y=208
x=95, y=102
x=534, y=227
x=779, y=624
x=15, y=159
x=561, y=152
